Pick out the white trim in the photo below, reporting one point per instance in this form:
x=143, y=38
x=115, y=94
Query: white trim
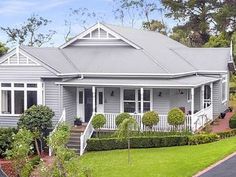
x=99, y=26
x=224, y=80
x=80, y=107
x=100, y=108
x=38, y=89
x=121, y=100
x=94, y=102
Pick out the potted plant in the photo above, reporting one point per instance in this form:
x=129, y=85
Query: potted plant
x=77, y=121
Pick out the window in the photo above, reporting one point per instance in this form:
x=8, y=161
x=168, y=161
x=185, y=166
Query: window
x=132, y=100
x=100, y=97
x=16, y=97
x=207, y=92
x=189, y=95
x=224, y=89
x=81, y=97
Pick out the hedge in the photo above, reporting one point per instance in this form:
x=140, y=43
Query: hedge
x=5, y=139
x=95, y=144
x=232, y=122
x=227, y=134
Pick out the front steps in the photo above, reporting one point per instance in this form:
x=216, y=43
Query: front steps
x=74, y=141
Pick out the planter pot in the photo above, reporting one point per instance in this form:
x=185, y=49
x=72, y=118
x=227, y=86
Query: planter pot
x=77, y=122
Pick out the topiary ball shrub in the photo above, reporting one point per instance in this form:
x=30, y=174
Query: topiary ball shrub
x=232, y=122
x=150, y=119
x=98, y=121
x=121, y=117
x=176, y=117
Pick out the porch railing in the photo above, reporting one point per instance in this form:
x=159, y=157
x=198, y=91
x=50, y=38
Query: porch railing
x=161, y=126
x=202, y=117
x=61, y=120
x=86, y=135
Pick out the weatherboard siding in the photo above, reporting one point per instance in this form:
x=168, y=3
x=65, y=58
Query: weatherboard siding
x=112, y=103
x=23, y=73
x=161, y=102
x=69, y=103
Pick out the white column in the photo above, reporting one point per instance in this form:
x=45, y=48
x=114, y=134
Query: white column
x=0, y=98
x=211, y=86
x=202, y=96
x=141, y=97
x=192, y=107
x=94, y=95
x=121, y=100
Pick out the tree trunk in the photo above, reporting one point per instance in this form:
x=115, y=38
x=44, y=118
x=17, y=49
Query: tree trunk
x=129, y=160
x=37, y=146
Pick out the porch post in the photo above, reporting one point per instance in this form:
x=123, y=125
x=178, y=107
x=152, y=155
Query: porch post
x=202, y=96
x=141, y=94
x=94, y=94
x=192, y=107
x=211, y=86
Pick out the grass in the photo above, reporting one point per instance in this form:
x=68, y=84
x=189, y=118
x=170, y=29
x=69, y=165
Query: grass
x=182, y=161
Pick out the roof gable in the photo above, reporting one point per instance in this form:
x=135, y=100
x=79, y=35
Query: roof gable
x=100, y=35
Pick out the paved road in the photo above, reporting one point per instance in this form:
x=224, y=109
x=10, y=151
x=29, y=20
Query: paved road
x=225, y=169
x=2, y=174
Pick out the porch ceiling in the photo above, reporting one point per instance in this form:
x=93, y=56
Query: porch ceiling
x=183, y=82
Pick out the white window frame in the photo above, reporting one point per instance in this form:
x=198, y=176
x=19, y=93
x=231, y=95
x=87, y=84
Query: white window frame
x=40, y=93
x=136, y=101
x=224, y=80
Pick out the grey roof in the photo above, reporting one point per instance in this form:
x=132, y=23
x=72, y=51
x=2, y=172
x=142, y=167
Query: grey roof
x=188, y=81
x=158, y=55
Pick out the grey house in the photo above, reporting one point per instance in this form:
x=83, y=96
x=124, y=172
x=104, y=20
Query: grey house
x=110, y=69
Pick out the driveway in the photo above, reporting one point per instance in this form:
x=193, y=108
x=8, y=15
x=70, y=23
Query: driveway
x=224, y=169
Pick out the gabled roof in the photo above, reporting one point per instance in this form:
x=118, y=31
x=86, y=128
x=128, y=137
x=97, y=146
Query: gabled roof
x=144, y=53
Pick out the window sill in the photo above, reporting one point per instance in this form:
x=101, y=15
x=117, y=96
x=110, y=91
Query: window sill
x=10, y=115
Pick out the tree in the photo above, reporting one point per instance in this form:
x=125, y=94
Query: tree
x=195, y=16
x=121, y=117
x=150, y=119
x=179, y=34
x=175, y=117
x=98, y=122
x=3, y=49
x=124, y=132
x=218, y=41
x=37, y=119
x=155, y=25
x=30, y=33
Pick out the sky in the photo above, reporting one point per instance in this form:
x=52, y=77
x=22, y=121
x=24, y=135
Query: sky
x=13, y=13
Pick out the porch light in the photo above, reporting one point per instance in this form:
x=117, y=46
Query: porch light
x=112, y=93
x=160, y=93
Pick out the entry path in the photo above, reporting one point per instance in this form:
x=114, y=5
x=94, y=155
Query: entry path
x=222, y=124
x=223, y=168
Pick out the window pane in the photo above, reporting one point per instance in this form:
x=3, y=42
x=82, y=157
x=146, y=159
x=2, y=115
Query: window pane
x=19, y=102
x=31, y=98
x=146, y=95
x=32, y=85
x=18, y=85
x=146, y=106
x=6, y=84
x=207, y=92
x=100, y=95
x=6, y=102
x=129, y=94
x=129, y=107
x=81, y=96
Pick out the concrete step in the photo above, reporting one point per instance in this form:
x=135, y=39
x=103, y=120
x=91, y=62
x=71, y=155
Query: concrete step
x=73, y=146
x=75, y=139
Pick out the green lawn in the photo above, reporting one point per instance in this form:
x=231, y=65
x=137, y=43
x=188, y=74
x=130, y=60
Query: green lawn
x=158, y=162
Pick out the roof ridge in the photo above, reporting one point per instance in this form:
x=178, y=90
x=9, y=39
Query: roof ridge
x=68, y=59
x=154, y=60
x=183, y=58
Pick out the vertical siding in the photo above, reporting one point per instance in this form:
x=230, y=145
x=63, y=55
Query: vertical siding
x=112, y=103
x=69, y=103
x=161, y=102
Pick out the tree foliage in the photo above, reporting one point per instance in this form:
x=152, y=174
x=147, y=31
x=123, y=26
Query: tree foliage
x=98, y=122
x=30, y=32
x=218, y=41
x=175, y=117
x=121, y=117
x=3, y=49
x=155, y=25
x=37, y=119
x=150, y=119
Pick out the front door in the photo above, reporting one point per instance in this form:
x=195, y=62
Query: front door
x=100, y=100
x=80, y=103
x=88, y=104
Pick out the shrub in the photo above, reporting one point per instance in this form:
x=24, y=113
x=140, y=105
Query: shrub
x=176, y=117
x=227, y=134
x=202, y=139
x=6, y=139
x=150, y=119
x=98, y=121
x=37, y=119
x=95, y=144
x=121, y=117
x=232, y=122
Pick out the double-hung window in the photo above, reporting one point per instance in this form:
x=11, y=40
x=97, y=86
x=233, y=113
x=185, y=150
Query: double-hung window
x=132, y=100
x=17, y=97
